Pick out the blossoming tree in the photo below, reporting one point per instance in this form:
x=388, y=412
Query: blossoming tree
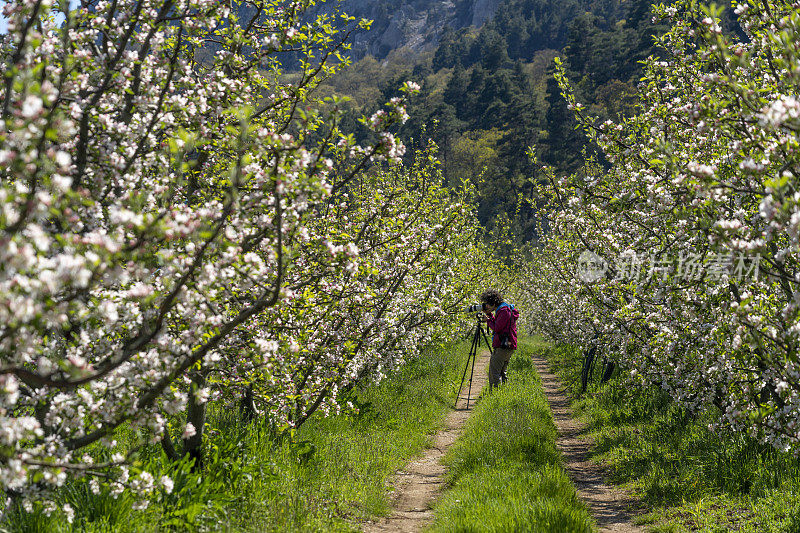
x=391, y=257
x=166, y=191
x=694, y=213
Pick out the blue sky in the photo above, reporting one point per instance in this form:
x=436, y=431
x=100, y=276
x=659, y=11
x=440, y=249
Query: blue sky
x=4, y=26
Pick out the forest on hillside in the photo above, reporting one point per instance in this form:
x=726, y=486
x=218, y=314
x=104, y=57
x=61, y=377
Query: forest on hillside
x=489, y=96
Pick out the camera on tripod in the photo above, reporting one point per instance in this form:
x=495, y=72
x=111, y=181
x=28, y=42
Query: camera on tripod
x=475, y=308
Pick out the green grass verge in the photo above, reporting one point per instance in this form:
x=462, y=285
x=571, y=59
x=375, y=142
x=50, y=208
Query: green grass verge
x=329, y=476
x=505, y=471
x=688, y=477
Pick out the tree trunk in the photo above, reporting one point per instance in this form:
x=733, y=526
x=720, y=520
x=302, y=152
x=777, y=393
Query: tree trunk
x=196, y=415
x=167, y=446
x=247, y=407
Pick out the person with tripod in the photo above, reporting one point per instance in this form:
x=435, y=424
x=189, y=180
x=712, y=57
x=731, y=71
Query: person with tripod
x=502, y=319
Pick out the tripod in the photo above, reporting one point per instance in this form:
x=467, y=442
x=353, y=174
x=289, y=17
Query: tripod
x=473, y=352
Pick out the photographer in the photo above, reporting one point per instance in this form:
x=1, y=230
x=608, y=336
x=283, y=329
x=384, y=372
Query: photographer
x=502, y=318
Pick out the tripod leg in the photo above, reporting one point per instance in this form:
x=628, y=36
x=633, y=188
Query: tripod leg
x=476, y=341
x=472, y=372
x=463, y=377
x=473, y=349
x=486, y=340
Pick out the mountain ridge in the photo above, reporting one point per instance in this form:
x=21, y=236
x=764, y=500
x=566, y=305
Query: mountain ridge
x=414, y=24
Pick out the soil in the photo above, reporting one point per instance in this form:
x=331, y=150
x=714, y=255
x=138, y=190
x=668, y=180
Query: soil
x=612, y=508
x=416, y=487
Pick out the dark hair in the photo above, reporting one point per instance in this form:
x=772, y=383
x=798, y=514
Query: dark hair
x=492, y=297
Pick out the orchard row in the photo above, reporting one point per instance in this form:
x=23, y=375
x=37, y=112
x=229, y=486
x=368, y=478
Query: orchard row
x=707, y=168
x=183, y=222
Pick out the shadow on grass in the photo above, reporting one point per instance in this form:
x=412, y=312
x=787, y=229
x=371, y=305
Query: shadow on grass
x=676, y=464
x=505, y=470
x=326, y=476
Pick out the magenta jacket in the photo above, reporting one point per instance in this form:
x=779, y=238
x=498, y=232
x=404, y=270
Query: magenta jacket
x=504, y=321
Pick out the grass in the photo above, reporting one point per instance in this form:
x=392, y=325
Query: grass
x=505, y=472
x=329, y=476
x=688, y=477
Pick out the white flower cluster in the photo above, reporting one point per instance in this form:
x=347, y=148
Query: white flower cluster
x=164, y=219
x=707, y=169
x=784, y=111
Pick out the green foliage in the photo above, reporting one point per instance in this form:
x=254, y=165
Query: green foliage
x=505, y=469
x=323, y=477
x=522, y=26
x=498, y=79
x=690, y=477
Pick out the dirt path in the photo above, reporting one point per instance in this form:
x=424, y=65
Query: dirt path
x=610, y=506
x=416, y=487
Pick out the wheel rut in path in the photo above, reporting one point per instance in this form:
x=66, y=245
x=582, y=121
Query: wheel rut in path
x=417, y=486
x=611, y=507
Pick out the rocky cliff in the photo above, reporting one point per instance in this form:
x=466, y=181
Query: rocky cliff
x=416, y=24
